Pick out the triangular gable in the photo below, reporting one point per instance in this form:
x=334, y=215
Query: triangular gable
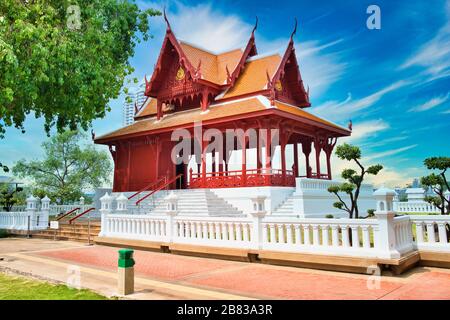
x=249, y=51
x=287, y=84
x=170, y=43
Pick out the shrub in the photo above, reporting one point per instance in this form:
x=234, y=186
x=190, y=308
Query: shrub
x=329, y=216
x=370, y=212
x=3, y=233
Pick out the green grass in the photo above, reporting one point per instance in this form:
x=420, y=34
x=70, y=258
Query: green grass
x=21, y=288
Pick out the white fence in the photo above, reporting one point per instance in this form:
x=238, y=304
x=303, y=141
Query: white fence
x=383, y=237
x=415, y=207
x=23, y=220
x=432, y=232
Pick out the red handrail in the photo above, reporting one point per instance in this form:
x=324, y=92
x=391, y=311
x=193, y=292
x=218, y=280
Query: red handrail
x=146, y=188
x=81, y=214
x=67, y=213
x=159, y=188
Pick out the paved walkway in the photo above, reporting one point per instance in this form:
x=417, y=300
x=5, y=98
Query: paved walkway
x=168, y=276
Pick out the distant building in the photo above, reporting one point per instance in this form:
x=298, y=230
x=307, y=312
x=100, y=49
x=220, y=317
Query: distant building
x=137, y=97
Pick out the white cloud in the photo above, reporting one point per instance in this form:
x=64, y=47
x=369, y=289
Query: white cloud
x=389, y=152
x=367, y=129
x=319, y=69
x=434, y=55
x=209, y=28
x=336, y=111
x=434, y=102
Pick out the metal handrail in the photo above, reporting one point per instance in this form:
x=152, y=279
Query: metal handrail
x=146, y=188
x=81, y=214
x=67, y=213
x=167, y=183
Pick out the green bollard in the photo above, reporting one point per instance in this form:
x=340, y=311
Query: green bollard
x=126, y=272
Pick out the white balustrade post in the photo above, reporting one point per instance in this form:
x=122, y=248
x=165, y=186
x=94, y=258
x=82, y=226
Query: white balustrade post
x=385, y=216
x=105, y=209
x=81, y=200
x=171, y=211
x=258, y=213
x=45, y=210
x=122, y=204
x=31, y=211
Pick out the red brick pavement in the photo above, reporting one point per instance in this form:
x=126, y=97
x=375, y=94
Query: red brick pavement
x=262, y=280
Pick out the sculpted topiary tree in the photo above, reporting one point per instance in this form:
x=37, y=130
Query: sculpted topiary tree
x=437, y=182
x=354, y=179
x=4, y=168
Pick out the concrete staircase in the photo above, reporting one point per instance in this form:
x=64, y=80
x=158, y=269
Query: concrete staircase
x=199, y=202
x=286, y=208
x=78, y=231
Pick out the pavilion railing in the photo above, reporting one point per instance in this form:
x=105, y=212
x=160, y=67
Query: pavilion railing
x=242, y=178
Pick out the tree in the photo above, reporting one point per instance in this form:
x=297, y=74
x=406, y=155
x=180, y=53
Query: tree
x=354, y=180
x=4, y=168
x=9, y=196
x=68, y=168
x=64, y=61
x=437, y=182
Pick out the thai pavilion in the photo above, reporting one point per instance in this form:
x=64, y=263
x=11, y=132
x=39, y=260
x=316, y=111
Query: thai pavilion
x=237, y=89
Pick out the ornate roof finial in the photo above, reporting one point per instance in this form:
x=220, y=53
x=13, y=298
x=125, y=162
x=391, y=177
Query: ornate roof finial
x=198, y=72
x=295, y=29
x=350, y=125
x=167, y=20
x=255, y=27
x=269, y=81
x=136, y=110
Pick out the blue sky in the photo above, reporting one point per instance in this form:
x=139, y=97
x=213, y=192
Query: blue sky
x=393, y=83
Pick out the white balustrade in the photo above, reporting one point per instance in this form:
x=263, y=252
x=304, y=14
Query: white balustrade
x=23, y=220
x=403, y=234
x=415, y=207
x=214, y=231
x=432, y=232
x=334, y=236
x=141, y=227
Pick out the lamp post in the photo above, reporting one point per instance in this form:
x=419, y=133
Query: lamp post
x=258, y=213
x=385, y=216
x=171, y=211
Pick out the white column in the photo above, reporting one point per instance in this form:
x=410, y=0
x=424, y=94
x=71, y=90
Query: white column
x=386, y=235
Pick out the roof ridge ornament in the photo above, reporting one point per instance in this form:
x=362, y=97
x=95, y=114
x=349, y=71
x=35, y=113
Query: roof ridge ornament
x=167, y=20
x=198, y=72
x=255, y=27
x=228, y=74
x=295, y=30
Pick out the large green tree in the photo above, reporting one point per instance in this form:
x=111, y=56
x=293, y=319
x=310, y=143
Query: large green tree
x=9, y=196
x=354, y=179
x=65, y=60
x=68, y=167
x=437, y=182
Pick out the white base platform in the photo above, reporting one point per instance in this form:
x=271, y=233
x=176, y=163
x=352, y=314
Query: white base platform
x=310, y=198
